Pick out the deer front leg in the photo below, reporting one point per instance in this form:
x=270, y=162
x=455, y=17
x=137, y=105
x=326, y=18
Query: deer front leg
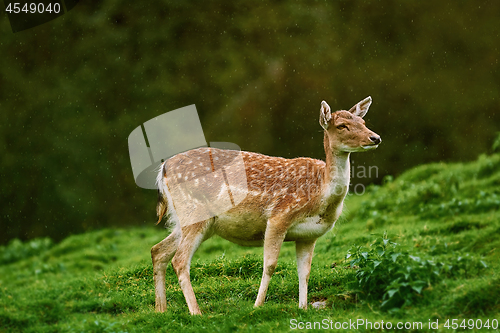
x=304, y=252
x=161, y=254
x=273, y=240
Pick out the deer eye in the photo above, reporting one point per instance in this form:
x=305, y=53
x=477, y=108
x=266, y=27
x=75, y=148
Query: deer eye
x=342, y=126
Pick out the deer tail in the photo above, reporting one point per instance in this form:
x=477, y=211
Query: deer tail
x=162, y=205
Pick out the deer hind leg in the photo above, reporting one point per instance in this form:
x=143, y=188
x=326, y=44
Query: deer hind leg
x=304, y=252
x=192, y=237
x=272, y=245
x=161, y=254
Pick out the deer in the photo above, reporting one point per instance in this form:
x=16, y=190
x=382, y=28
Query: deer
x=287, y=200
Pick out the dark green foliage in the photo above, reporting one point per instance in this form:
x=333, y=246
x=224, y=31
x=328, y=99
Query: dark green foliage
x=17, y=250
x=73, y=89
x=496, y=144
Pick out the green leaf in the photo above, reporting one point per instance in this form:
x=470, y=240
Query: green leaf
x=417, y=259
x=496, y=144
x=392, y=292
x=418, y=289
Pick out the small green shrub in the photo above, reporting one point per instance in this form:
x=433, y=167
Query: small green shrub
x=396, y=278
x=17, y=250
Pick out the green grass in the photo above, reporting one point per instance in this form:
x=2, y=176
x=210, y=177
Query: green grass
x=446, y=215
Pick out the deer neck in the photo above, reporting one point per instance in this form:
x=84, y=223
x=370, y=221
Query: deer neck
x=337, y=171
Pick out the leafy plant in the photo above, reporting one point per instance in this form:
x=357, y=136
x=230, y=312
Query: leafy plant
x=496, y=144
x=17, y=250
x=397, y=278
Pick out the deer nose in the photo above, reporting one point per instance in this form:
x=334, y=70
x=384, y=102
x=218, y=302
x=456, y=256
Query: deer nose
x=375, y=139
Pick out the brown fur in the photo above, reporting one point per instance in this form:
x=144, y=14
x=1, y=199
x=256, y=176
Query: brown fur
x=287, y=200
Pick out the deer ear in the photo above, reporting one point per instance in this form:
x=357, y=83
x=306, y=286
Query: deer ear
x=362, y=107
x=325, y=115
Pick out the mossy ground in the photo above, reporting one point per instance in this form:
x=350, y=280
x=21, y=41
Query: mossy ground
x=102, y=281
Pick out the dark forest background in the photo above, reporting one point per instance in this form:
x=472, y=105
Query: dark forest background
x=73, y=89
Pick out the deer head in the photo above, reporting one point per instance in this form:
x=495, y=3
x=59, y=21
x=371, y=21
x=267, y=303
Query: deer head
x=345, y=131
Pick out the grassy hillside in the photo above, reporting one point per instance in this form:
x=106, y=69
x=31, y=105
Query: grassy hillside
x=438, y=260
